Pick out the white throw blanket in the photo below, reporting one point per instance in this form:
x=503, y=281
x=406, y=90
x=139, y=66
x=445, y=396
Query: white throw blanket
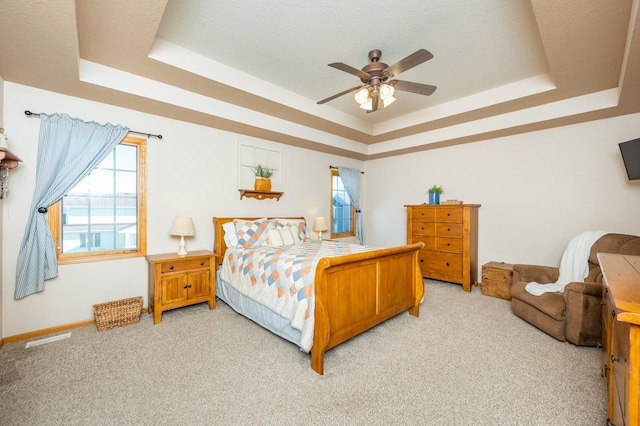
x=573, y=266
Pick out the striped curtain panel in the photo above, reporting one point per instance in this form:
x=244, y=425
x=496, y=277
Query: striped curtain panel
x=351, y=180
x=68, y=150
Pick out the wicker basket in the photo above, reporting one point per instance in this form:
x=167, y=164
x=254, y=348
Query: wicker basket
x=262, y=184
x=117, y=313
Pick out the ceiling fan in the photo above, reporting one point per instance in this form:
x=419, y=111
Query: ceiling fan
x=377, y=84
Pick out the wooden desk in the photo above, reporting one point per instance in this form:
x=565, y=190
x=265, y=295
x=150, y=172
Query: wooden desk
x=621, y=336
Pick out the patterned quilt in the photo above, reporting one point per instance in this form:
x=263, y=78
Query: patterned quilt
x=282, y=278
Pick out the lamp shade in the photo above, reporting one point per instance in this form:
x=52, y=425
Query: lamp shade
x=361, y=95
x=320, y=224
x=182, y=226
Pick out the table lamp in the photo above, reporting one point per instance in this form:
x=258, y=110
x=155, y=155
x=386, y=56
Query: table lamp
x=183, y=227
x=319, y=225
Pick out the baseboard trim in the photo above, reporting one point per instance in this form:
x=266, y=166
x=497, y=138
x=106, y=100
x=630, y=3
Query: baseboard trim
x=50, y=330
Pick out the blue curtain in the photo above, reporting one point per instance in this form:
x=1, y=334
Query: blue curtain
x=68, y=150
x=351, y=180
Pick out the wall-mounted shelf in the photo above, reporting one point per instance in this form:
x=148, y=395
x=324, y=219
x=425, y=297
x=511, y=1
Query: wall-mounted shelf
x=8, y=159
x=260, y=195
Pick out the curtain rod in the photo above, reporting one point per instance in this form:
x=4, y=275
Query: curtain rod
x=149, y=135
x=335, y=168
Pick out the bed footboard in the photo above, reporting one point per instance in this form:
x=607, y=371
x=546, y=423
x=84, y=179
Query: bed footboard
x=356, y=292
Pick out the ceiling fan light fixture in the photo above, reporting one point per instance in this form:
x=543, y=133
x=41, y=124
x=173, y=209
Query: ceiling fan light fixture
x=362, y=96
x=386, y=91
x=388, y=101
x=368, y=105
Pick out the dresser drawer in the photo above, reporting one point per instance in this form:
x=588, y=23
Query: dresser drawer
x=449, y=214
x=423, y=228
x=448, y=229
x=439, y=263
x=424, y=213
x=429, y=242
x=451, y=245
x=440, y=229
x=185, y=265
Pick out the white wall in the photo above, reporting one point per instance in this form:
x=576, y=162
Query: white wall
x=537, y=190
x=191, y=171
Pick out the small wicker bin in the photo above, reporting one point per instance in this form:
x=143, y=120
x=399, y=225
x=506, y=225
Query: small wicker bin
x=117, y=313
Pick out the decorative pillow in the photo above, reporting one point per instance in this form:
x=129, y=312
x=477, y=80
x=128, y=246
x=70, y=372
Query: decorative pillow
x=252, y=233
x=230, y=236
x=283, y=236
x=299, y=225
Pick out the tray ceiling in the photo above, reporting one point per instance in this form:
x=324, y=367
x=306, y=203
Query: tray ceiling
x=258, y=68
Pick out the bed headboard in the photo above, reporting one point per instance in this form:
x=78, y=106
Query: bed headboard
x=219, y=246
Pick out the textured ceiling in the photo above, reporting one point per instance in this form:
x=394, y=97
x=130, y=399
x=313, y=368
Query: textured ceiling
x=477, y=46
x=258, y=68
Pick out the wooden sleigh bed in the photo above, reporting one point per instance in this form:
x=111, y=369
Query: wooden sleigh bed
x=353, y=292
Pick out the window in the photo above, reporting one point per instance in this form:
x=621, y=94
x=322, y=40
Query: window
x=104, y=216
x=343, y=214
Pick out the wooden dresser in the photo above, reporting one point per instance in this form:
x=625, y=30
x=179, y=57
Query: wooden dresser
x=621, y=336
x=450, y=236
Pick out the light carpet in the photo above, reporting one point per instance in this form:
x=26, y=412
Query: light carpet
x=466, y=361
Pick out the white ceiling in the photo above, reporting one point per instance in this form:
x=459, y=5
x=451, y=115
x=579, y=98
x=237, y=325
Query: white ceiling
x=258, y=68
x=477, y=45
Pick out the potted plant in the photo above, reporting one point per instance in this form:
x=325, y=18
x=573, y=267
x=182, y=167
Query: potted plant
x=434, y=194
x=263, y=178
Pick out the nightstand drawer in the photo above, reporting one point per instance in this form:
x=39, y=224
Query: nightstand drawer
x=185, y=265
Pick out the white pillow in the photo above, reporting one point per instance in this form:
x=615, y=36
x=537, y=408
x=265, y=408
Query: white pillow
x=280, y=237
x=299, y=226
x=230, y=236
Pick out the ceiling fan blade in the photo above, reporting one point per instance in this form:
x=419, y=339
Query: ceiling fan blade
x=353, y=89
x=408, y=86
x=409, y=62
x=351, y=70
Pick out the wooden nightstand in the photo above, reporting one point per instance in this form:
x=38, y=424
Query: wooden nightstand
x=177, y=281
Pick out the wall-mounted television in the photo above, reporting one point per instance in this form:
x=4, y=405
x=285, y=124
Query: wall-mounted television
x=630, y=151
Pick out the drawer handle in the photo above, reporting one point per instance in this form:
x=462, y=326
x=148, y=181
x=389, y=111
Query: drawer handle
x=201, y=263
x=187, y=286
x=421, y=260
x=448, y=244
x=448, y=229
x=171, y=267
x=613, y=314
x=614, y=359
x=448, y=214
x=448, y=264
